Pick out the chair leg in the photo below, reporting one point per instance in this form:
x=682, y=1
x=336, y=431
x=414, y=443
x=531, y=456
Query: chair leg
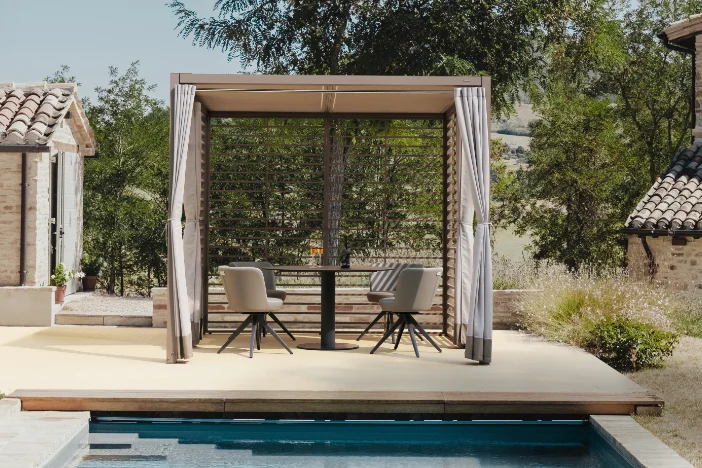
x=375, y=320
x=259, y=332
x=253, y=338
x=275, y=335
x=414, y=341
x=421, y=330
x=386, y=336
x=399, y=332
x=280, y=324
x=241, y=328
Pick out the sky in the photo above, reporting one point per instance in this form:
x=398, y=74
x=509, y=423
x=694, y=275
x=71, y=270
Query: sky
x=91, y=35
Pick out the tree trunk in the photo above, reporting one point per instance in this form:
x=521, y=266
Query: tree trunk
x=339, y=145
x=121, y=272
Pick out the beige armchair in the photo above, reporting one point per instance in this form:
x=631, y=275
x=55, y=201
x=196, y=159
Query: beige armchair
x=245, y=289
x=416, y=288
x=271, y=290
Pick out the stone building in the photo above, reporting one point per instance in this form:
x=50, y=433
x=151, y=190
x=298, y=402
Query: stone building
x=665, y=229
x=44, y=136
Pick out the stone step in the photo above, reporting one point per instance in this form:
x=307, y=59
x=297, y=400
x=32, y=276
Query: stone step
x=112, y=320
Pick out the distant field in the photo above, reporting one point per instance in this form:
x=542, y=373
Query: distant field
x=509, y=245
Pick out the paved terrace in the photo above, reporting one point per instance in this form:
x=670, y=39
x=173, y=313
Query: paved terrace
x=123, y=369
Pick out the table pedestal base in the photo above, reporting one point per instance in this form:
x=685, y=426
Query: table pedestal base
x=319, y=347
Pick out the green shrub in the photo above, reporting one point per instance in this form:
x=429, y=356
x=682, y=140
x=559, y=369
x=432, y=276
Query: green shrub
x=622, y=322
x=61, y=276
x=627, y=345
x=91, y=266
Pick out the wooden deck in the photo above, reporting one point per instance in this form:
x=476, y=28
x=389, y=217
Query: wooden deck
x=122, y=371
x=348, y=405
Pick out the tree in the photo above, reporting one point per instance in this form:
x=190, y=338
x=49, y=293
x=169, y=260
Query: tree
x=505, y=39
x=618, y=104
x=126, y=187
x=569, y=197
x=62, y=76
x=651, y=84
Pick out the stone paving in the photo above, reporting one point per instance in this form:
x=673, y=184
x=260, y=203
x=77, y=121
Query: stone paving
x=43, y=438
x=101, y=309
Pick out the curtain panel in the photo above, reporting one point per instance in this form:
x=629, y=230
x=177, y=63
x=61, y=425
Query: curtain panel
x=191, y=237
x=179, y=343
x=474, y=256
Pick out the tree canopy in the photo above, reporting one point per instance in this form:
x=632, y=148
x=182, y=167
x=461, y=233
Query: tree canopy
x=505, y=39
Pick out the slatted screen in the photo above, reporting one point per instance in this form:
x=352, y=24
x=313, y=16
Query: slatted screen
x=279, y=187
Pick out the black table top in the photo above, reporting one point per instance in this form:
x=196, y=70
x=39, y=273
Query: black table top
x=353, y=268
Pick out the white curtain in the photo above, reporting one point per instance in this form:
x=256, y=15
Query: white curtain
x=179, y=341
x=191, y=236
x=474, y=257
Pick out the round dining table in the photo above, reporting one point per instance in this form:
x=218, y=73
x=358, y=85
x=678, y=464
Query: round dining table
x=328, y=277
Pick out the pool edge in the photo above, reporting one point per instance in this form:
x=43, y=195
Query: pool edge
x=635, y=443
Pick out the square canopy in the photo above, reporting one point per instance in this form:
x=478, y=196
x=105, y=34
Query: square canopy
x=326, y=94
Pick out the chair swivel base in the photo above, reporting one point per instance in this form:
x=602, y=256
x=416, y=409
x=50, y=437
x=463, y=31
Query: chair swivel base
x=257, y=320
x=406, y=320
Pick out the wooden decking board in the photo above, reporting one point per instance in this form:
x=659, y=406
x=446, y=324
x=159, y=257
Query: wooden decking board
x=352, y=402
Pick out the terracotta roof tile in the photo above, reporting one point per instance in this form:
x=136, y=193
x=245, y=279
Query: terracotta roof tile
x=674, y=202
x=29, y=113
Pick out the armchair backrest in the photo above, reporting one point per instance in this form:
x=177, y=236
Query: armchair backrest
x=387, y=280
x=416, y=288
x=268, y=275
x=245, y=289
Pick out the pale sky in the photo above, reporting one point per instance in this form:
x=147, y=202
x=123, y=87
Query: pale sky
x=90, y=35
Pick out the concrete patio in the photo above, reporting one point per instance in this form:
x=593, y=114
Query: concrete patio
x=73, y=365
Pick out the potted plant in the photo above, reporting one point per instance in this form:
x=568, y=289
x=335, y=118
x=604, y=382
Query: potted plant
x=91, y=269
x=59, y=279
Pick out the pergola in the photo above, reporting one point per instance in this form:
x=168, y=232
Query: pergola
x=224, y=119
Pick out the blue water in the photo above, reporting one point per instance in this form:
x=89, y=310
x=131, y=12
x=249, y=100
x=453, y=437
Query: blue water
x=341, y=444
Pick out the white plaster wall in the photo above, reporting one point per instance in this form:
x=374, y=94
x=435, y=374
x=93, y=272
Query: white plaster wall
x=71, y=209
x=26, y=306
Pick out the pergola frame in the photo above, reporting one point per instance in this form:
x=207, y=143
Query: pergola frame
x=325, y=97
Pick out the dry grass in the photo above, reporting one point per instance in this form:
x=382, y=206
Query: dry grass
x=679, y=383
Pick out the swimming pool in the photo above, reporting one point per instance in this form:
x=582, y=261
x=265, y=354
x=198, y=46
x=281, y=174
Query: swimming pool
x=138, y=443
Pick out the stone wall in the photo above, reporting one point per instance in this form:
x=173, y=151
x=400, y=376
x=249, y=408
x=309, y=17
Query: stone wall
x=10, y=207
x=506, y=307
x=38, y=214
x=37, y=242
x=678, y=267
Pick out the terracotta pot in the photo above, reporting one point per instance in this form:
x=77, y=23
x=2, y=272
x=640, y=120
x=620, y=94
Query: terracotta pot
x=60, y=294
x=89, y=283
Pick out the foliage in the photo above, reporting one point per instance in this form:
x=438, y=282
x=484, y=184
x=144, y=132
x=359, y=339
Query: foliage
x=61, y=276
x=507, y=274
x=91, y=266
x=126, y=188
x=501, y=38
x=570, y=196
x=686, y=316
x=627, y=345
x=615, y=110
x=623, y=322
x=651, y=85
x=62, y=76
x=391, y=192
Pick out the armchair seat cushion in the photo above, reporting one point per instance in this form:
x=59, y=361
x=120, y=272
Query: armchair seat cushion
x=274, y=304
x=376, y=296
x=277, y=294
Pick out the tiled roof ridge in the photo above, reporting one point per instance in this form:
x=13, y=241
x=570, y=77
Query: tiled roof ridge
x=29, y=112
x=674, y=202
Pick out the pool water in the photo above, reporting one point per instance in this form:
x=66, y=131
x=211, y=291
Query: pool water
x=344, y=444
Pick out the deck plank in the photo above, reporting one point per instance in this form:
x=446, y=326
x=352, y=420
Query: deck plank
x=328, y=402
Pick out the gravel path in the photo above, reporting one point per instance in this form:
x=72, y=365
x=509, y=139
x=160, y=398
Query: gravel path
x=103, y=304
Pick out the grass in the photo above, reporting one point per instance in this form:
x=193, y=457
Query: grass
x=679, y=383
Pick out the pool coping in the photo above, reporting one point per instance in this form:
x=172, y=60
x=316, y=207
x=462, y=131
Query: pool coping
x=346, y=405
x=635, y=443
